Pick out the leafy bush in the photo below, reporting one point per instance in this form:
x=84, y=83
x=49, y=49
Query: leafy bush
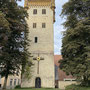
x=17, y=87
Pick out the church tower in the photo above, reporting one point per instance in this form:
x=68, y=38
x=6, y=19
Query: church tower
x=40, y=22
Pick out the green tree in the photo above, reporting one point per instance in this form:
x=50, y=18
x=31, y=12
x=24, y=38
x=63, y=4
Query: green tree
x=13, y=39
x=4, y=30
x=76, y=40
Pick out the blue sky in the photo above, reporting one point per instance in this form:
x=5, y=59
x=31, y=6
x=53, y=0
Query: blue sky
x=58, y=27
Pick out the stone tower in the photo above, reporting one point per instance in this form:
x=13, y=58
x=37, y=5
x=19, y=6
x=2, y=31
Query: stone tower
x=40, y=22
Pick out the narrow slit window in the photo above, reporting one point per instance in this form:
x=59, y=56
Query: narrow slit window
x=36, y=39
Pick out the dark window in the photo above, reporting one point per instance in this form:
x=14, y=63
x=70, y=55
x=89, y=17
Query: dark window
x=73, y=80
x=11, y=81
x=18, y=82
x=15, y=82
x=35, y=11
x=34, y=25
x=43, y=25
x=43, y=11
x=0, y=85
x=36, y=39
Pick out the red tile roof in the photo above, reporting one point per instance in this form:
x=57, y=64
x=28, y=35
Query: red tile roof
x=62, y=75
x=56, y=59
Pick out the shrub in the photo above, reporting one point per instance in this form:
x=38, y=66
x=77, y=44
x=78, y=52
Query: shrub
x=18, y=86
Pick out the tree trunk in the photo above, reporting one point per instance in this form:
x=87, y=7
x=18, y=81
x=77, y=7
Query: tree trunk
x=85, y=81
x=5, y=82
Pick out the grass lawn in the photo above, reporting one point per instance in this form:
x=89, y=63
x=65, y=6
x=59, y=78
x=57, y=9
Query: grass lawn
x=77, y=87
x=37, y=89
x=71, y=87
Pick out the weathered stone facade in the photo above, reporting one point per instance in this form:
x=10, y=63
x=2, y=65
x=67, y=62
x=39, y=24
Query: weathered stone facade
x=44, y=47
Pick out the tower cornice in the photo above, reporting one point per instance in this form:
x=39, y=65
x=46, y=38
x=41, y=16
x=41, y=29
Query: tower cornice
x=37, y=2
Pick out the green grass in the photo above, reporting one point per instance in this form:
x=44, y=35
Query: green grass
x=77, y=87
x=36, y=89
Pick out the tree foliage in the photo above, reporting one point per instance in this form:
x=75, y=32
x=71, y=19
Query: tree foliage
x=4, y=29
x=13, y=38
x=76, y=40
